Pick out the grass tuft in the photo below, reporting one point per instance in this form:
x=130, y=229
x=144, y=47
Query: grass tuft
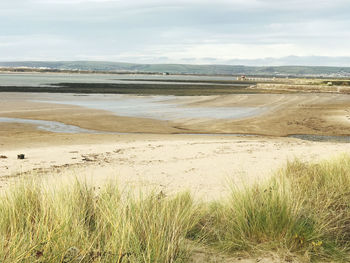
x=304, y=210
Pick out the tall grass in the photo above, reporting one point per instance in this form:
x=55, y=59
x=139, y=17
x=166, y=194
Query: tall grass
x=303, y=212
x=264, y=217
x=79, y=224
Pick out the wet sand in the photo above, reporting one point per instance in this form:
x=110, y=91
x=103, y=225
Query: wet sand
x=285, y=114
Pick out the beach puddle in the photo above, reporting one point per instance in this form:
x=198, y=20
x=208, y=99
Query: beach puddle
x=50, y=126
x=158, y=107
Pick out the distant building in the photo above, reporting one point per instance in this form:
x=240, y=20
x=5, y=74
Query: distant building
x=243, y=77
x=166, y=73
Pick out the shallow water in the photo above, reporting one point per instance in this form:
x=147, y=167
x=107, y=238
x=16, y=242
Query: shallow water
x=51, y=126
x=44, y=79
x=154, y=107
x=157, y=107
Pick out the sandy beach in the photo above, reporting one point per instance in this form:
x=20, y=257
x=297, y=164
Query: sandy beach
x=154, y=156
x=169, y=163
x=174, y=131
x=168, y=144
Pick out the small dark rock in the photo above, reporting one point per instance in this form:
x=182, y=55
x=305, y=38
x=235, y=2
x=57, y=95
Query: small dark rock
x=20, y=156
x=3, y=157
x=39, y=253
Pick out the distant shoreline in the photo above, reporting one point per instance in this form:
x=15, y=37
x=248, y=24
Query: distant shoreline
x=36, y=70
x=94, y=67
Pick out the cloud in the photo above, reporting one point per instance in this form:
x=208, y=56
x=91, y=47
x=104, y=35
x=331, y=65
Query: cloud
x=172, y=30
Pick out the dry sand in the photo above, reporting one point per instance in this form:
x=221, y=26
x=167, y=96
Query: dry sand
x=171, y=163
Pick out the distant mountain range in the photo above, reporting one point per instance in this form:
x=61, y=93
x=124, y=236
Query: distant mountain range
x=248, y=67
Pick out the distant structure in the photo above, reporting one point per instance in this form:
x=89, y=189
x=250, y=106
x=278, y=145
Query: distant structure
x=243, y=77
x=166, y=73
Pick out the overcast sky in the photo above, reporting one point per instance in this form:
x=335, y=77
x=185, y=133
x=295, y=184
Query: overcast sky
x=172, y=31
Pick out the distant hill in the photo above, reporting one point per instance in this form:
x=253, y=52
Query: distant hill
x=294, y=60
x=184, y=68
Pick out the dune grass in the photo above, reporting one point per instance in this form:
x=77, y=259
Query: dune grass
x=77, y=224
x=302, y=212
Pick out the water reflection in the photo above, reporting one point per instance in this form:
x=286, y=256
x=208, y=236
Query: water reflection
x=51, y=126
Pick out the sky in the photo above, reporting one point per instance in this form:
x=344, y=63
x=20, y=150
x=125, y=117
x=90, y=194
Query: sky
x=173, y=31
